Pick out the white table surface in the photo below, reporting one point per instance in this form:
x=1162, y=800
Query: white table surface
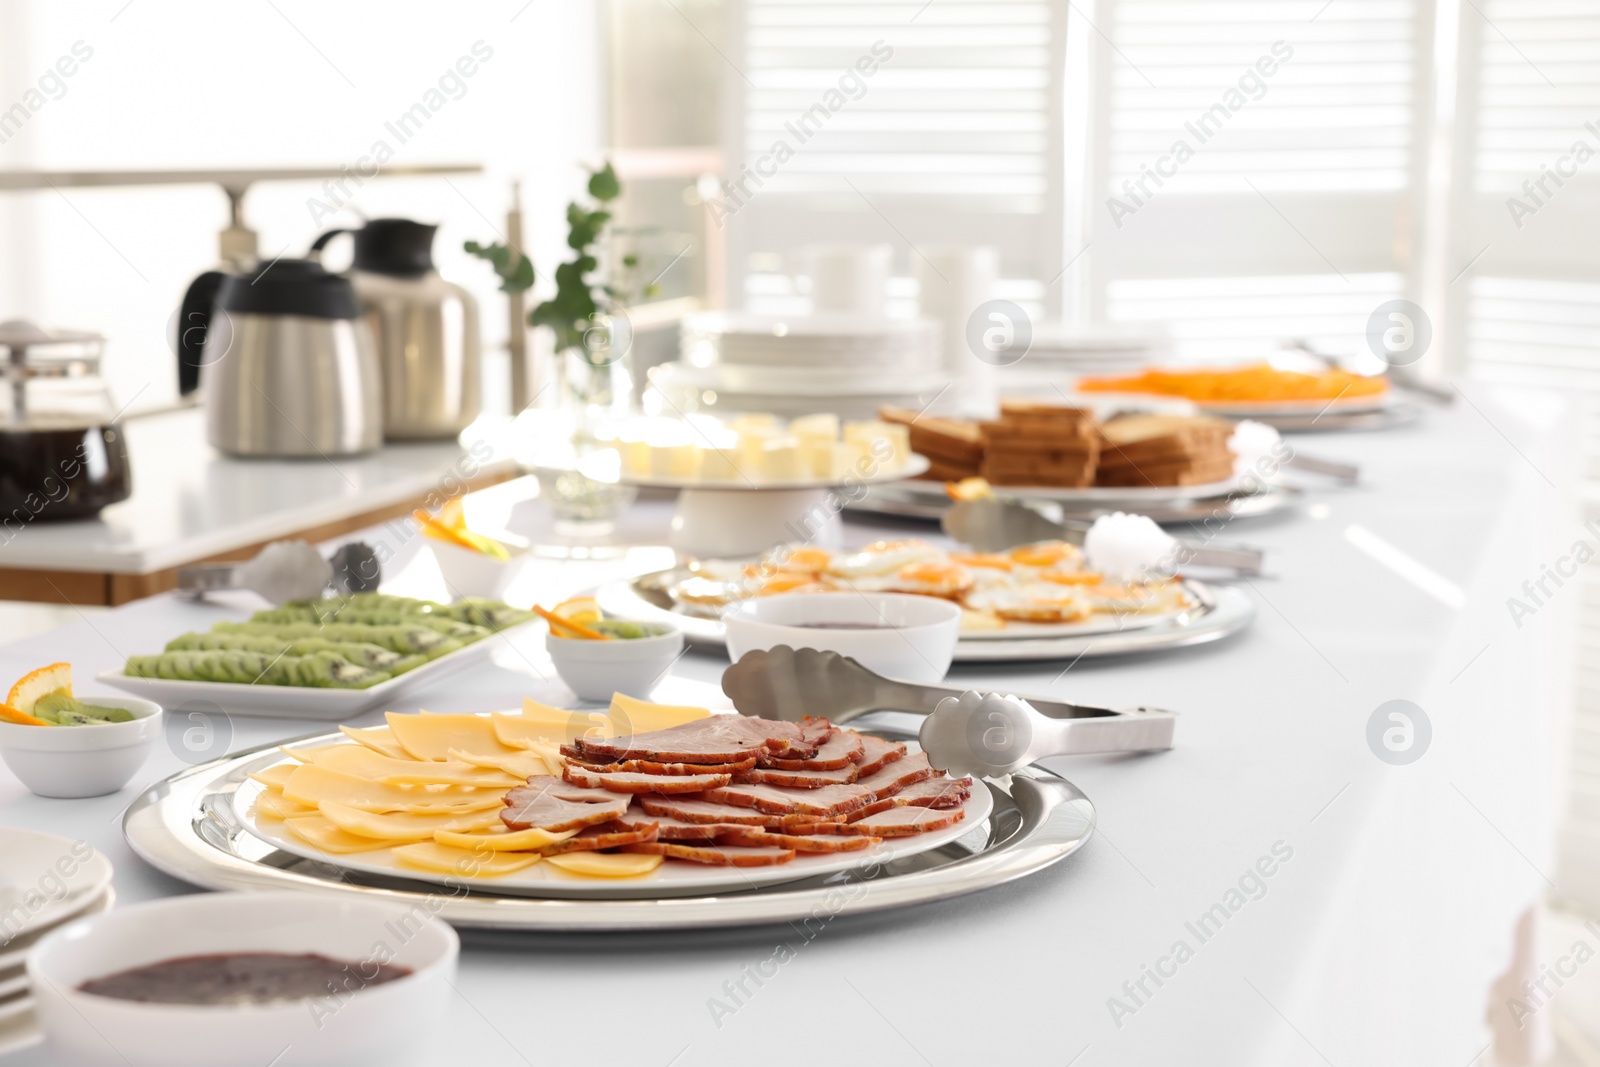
x=190, y=501
x=1376, y=943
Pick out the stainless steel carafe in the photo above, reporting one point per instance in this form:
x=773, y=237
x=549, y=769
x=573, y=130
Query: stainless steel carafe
x=285, y=359
x=425, y=328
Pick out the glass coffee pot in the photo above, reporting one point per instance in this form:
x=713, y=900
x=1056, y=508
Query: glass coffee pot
x=63, y=455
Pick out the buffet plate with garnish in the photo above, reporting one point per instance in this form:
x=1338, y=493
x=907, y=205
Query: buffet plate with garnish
x=1035, y=602
x=203, y=825
x=325, y=660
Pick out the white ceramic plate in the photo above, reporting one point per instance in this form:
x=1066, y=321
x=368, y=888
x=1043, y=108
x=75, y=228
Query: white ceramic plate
x=304, y=702
x=12, y=982
x=1131, y=494
x=1251, y=409
x=14, y=1007
x=16, y=950
x=914, y=466
x=20, y=1029
x=46, y=880
x=674, y=878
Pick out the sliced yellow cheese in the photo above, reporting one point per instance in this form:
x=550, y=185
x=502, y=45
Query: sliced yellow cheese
x=400, y=826
x=631, y=715
x=272, y=805
x=276, y=776
x=539, y=724
x=313, y=784
x=523, y=765
x=365, y=763
x=308, y=755
x=431, y=737
x=511, y=841
x=465, y=863
x=605, y=864
x=319, y=832
x=377, y=738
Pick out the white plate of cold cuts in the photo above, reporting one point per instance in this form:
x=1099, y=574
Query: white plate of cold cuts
x=718, y=804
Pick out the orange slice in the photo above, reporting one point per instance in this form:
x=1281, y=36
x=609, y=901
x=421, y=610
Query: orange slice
x=10, y=714
x=40, y=683
x=579, y=609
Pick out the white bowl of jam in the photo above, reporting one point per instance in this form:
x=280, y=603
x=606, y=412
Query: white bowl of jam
x=244, y=980
x=900, y=635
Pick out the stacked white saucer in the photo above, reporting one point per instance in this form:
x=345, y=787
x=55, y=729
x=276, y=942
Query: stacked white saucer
x=797, y=365
x=45, y=882
x=1061, y=352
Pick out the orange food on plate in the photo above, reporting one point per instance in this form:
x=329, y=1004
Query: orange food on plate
x=1259, y=382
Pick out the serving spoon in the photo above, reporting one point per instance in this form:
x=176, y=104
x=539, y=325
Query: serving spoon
x=789, y=684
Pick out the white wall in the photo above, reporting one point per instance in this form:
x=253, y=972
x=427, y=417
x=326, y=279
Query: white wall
x=189, y=84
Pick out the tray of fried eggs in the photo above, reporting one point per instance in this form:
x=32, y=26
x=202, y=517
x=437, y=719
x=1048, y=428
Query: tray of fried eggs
x=1045, y=589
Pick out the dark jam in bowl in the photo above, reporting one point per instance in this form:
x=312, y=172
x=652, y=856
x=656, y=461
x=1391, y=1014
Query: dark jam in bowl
x=242, y=978
x=844, y=626
x=50, y=474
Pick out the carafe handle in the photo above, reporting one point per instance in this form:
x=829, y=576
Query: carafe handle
x=194, y=319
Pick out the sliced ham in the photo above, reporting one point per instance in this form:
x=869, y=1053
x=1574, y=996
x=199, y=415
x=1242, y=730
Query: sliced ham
x=634, y=782
x=745, y=835
x=841, y=750
x=801, y=779
x=718, y=739
x=776, y=800
x=904, y=820
x=697, y=810
x=644, y=766
x=716, y=854
x=549, y=803
x=937, y=792
x=897, y=775
x=670, y=829
x=877, y=754
x=817, y=731
x=607, y=835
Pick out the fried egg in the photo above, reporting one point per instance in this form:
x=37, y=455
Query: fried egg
x=882, y=558
x=1145, y=598
x=1032, y=602
x=1047, y=554
x=932, y=577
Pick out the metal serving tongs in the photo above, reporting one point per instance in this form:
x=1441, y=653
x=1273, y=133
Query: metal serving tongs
x=790, y=684
x=996, y=525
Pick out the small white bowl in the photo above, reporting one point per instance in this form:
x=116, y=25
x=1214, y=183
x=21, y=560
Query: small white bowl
x=388, y=1023
x=470, y=573
x=82, y=761
x=633, y=666
x=911, y=637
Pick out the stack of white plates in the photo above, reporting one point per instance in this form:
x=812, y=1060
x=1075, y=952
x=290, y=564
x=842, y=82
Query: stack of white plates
x=797, y=365
x=1061, y=352
x=45, y=881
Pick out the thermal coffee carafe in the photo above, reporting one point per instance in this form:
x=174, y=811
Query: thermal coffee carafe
x=63, y=454
x=425, y=328
x=286, y=360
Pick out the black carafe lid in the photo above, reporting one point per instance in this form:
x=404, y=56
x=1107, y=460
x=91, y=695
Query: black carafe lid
x=399, y=247
x=289, y=287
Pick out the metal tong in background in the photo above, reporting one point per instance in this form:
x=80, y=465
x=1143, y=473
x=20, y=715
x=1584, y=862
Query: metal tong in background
x=790, y=684
x=997, y=525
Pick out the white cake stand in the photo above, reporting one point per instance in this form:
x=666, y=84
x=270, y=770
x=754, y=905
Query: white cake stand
x=742, y=517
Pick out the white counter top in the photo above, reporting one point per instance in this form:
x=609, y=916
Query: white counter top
x=1375, y=941
x=190, y=501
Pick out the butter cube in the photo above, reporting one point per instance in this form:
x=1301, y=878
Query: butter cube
x=719, y=464
x=636, y=457
x=752, y=439
x=781, y=461
x=823, y=427
x=897, y=438
x=833, y=460
x=675, y=461
x=754, y=421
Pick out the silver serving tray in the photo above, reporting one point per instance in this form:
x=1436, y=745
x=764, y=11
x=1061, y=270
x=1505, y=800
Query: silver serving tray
x=1223, y=611
x=1388, y=417
x=185, y=827
x=928, y=500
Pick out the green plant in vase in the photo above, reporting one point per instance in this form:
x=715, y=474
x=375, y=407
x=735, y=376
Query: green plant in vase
x=587, y=316
x=588, y=319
